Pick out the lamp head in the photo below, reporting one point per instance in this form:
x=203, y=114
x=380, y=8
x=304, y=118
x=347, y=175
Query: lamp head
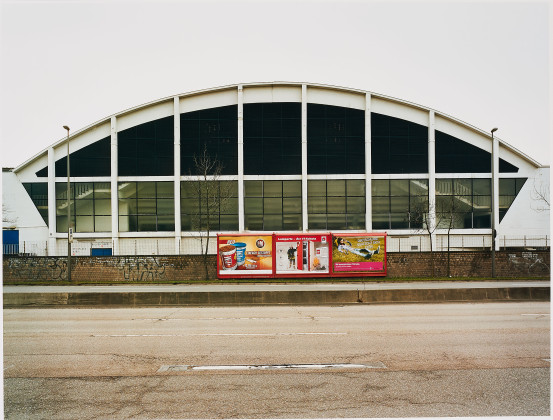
x=66, y=127
x=494, y=130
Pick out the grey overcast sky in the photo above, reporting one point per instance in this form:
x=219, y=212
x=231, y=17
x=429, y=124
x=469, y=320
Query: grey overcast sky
x=75, y=62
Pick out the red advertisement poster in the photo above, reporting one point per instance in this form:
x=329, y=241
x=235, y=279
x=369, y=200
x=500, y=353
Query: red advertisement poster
x=302, y=255
x=359, y=253
x=244, y=255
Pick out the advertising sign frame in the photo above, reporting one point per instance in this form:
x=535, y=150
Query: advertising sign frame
x=354, y=269
x=311, y=255
x=237, y=257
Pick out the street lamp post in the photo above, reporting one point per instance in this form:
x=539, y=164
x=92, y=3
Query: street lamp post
x=493, y=203
x=69, y=233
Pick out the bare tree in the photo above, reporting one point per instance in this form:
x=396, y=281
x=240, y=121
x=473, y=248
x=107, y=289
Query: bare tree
x=7, y=216
x=540, y=194
x=212, y=197
x=420, y=215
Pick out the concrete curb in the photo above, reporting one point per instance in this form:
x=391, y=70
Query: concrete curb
x=300, y=297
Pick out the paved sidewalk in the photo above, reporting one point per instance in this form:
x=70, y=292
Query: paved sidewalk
x=274, y=294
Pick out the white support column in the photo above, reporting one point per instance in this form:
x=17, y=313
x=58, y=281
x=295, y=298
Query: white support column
x=51, y=202
x=304, y=157
x=240, y=158
x=432, y=176
x=176, y=164
x=114, y=188
x=368, y=165
x=495, y=188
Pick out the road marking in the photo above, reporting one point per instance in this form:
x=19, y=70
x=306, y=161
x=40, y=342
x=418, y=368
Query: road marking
x=219, y=334
x=188, y=368
x=227, y=318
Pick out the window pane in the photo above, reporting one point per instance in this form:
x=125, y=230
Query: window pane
x=336, y=187
x=444, y=186
x=418, y=187
x=316, y=188
x=381, y=204
x=356, y=221
x=229, y=222
x=272, y=222
x=482, y=203
x=84, y=207
x=336, y=221
x=317, y=221
x=147, y=223
x=291, y=205
x=291, y=222
x=102, y=207
x=253, y=188
x=316, y=204
x=253, y=206
x=146, y=189
x=146, y=206
x=127, y=190
x=399, y=187
x=165, y=206
x=165, y=190
x=399, y=220
x=84, y=224
x=291, y=188
x=272, y=206
x=253, y=222
x=482, y=187
x=336, y=205
x=399, y=204
x=272, y=188
x=356, y=205
x=165, y=222
x=381, y=221
x=380, y=187
x=462, y=186
x=102, y=223
x=356, y=187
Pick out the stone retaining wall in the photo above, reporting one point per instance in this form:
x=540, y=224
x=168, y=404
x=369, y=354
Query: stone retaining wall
x=178, y=268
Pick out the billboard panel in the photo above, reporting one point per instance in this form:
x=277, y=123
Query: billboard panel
x=244, y=255
x=359, y=253
x=302, y=255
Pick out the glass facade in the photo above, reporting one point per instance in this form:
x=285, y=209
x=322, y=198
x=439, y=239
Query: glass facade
x=335, y=140
x=90, y=206
x=38, y=191
x=212, y=204
x=463, y=203
x=146, y=149
x=92, y=160
x=398, y=146
x=272, y=138
x=399, y=203
x=336, y=204
x=272, y=147
x=146, y=206
x=272, y=205
x=508, y=191
x=214, y=131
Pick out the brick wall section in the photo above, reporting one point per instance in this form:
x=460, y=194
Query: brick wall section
x=173, y=268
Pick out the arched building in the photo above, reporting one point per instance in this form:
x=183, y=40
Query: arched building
x=295, y=157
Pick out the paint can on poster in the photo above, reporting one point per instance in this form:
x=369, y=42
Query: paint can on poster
x=240, y=252
x=228, y=257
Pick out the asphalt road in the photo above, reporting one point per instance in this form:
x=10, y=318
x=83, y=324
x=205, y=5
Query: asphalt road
x=431, y=360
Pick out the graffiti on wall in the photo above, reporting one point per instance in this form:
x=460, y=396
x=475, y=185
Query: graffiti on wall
x=38, y=269
x=146, y=269
x=529, y=261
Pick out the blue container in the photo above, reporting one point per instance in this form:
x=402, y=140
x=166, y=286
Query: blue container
x=240, y=252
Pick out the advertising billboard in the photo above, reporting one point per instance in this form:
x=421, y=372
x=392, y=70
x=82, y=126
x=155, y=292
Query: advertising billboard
x=359, y=253
x=245, y=255
x=302, y=255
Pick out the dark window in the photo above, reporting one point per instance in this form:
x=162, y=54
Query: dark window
x=272, y=205
x=90, y=206
x=209, y=204
x=336, y=140
x=214, y=131
x=505, y=166
x=454, y=155
x=463, y=203
x=147, y=149
x=398, y=146
x=399, y=203
x=38, y=191
x=272, y=138
x=508, y=191
x=146, y=206
x=336, y=204
x=92, y=160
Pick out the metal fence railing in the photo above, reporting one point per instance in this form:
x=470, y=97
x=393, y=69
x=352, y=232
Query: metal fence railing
x=191, y=246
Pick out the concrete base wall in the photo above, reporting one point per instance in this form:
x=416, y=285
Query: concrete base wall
x=175, y=268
